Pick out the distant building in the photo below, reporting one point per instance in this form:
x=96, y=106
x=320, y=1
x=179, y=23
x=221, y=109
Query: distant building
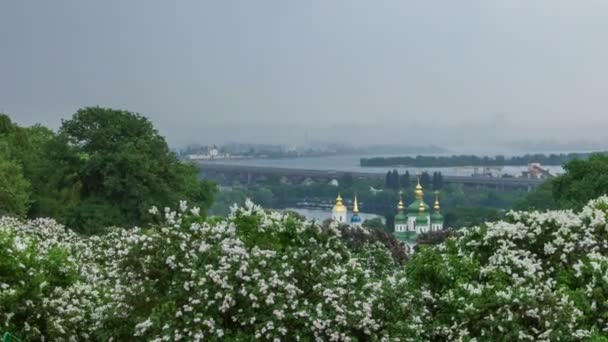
x=535, y=170
x=355, y=219
x=400, y=218
x=339, y=213
x=487, y=171
x=308, y=181
x=212, y=153
x=418, y=218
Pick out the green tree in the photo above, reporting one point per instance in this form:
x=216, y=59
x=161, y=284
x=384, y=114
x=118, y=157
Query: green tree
x=389, y=227
x=373, y=223
x=470, y=216
x=425, y=180
x=540, y=199
x=437, y=181
x=14, y=188
x=404, y=180
x=119, y=166
x=26, y=148
x=392, y=180
x=347, y=180
x=583, y=180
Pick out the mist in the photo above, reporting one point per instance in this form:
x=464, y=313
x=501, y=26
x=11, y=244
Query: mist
x=450, y=73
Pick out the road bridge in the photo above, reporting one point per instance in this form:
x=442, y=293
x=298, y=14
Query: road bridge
x=230, y=174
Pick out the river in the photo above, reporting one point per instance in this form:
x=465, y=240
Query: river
x=350, y=163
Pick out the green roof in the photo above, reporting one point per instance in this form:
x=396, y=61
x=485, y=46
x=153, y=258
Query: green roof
x=400, y=218
x=422, y=219
x=415, y=207
x=436, y=217
x=405, y=236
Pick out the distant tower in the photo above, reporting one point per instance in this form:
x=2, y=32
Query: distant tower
x=414, y=208
x=436, y=217
x=400, y=218
x=339, y=211
x=422, y=220
x=355, y=219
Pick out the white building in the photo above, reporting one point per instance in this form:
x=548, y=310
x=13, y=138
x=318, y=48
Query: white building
x=339, y=213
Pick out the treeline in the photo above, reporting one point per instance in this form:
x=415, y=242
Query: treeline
x=473, y=160
x=582, y=181
x=460, y=206
x=103, y=167
x=393, y=180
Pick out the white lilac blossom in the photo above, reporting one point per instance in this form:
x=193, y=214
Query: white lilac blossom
x=243, y=276
x=268, y=275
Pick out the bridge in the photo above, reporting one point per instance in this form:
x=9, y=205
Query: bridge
x=229, y=174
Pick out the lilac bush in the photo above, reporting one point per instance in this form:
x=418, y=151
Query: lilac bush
x=266, y=275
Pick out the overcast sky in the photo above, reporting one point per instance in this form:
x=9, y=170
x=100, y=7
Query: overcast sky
x=286, y=71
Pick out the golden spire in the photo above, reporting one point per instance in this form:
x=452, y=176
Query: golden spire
x=400, y=204
x=356, y=206
x=436, y=206
x=339, y=207
x=421, y=207
x=419, y=193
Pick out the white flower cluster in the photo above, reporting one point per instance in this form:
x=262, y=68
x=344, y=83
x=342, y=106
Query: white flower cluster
x=270, y=276
x=537, y=276
x=260, y=274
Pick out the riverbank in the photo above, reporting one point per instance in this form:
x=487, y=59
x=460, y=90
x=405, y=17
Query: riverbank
x=351, y=163
x=473, y=160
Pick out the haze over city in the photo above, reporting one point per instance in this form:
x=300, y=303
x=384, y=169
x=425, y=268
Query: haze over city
x=360, y=72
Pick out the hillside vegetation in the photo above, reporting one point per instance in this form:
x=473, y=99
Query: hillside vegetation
x=472, y=160
x=110, y=266
x=103, y=167
x=263, y=274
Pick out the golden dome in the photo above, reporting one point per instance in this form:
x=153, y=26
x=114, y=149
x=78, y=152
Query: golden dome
x=436, y=205
x=356, y=206
x=400, y=205
x=419, y=193
x=339, y=207
x=421, y=207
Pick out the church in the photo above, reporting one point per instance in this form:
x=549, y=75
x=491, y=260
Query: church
x=418, y=218
x=340, y=213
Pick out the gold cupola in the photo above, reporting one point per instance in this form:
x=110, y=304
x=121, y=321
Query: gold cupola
x=419, y=193
x=339, y=207
x=421, y=208
x=356, y=206
x=400, y=205
x=436, y=205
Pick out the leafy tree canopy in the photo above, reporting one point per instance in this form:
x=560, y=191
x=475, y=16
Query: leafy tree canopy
x=118, y=166
x=14, y=188
x=583, y=180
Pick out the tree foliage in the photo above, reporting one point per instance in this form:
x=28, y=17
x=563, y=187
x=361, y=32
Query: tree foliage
x=392, y=180
x=120, y=166
x=104, y=167
x=18, y=157
x=583, y=180
x=14, y=188
x=472, y=160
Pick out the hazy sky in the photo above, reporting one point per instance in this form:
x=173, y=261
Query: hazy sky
x=284, y=71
